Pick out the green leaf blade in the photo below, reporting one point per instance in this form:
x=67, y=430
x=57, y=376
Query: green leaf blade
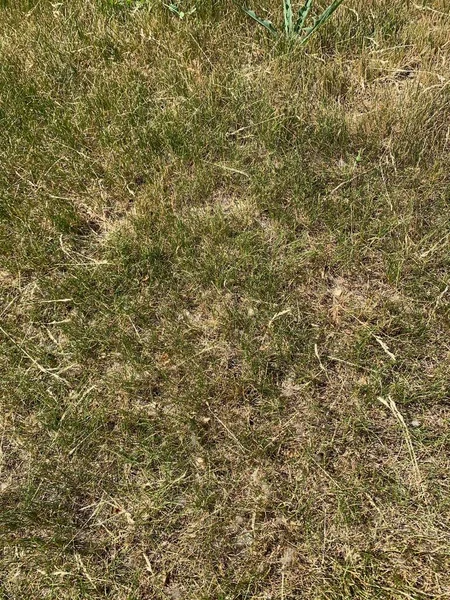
x=302, y=16
x=264, y=22
x=321, y=20
x=288, y=17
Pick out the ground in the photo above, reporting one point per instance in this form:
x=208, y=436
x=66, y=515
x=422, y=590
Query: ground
x=224, y=314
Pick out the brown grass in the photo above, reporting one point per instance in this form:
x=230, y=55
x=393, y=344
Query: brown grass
x=220, y=253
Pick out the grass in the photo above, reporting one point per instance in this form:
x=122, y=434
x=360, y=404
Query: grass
x=294, y=23
x=224, y=303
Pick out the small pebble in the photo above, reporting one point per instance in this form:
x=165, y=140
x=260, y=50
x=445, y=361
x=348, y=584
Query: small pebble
x=415, y=423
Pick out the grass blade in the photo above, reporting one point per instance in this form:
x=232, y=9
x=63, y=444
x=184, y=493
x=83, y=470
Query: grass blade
x=175, y=10
x=302, y=16
x=267, y=24
x=322, y=19
x=287, y=12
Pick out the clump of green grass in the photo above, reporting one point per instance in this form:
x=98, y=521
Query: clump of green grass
x=223, y=304
x=176, y=10
x=295, y=26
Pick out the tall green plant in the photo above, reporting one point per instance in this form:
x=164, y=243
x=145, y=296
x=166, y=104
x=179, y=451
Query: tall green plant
x=295, y=28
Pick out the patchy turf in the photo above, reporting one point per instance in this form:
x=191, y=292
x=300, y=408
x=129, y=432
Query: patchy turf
x=224, y=303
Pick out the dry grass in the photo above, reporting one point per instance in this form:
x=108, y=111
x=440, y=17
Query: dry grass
x=218, y=254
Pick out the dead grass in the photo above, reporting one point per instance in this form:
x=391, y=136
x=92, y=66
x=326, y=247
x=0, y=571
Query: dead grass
x=218, y=255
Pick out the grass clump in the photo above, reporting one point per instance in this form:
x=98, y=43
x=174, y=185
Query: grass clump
x=224, y=304
x=295, y=26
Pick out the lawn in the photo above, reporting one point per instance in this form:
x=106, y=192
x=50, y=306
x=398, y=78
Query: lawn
x=224, y=302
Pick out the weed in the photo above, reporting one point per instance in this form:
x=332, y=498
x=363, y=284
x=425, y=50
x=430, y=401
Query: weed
x=174, y=8
x=295, y=28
